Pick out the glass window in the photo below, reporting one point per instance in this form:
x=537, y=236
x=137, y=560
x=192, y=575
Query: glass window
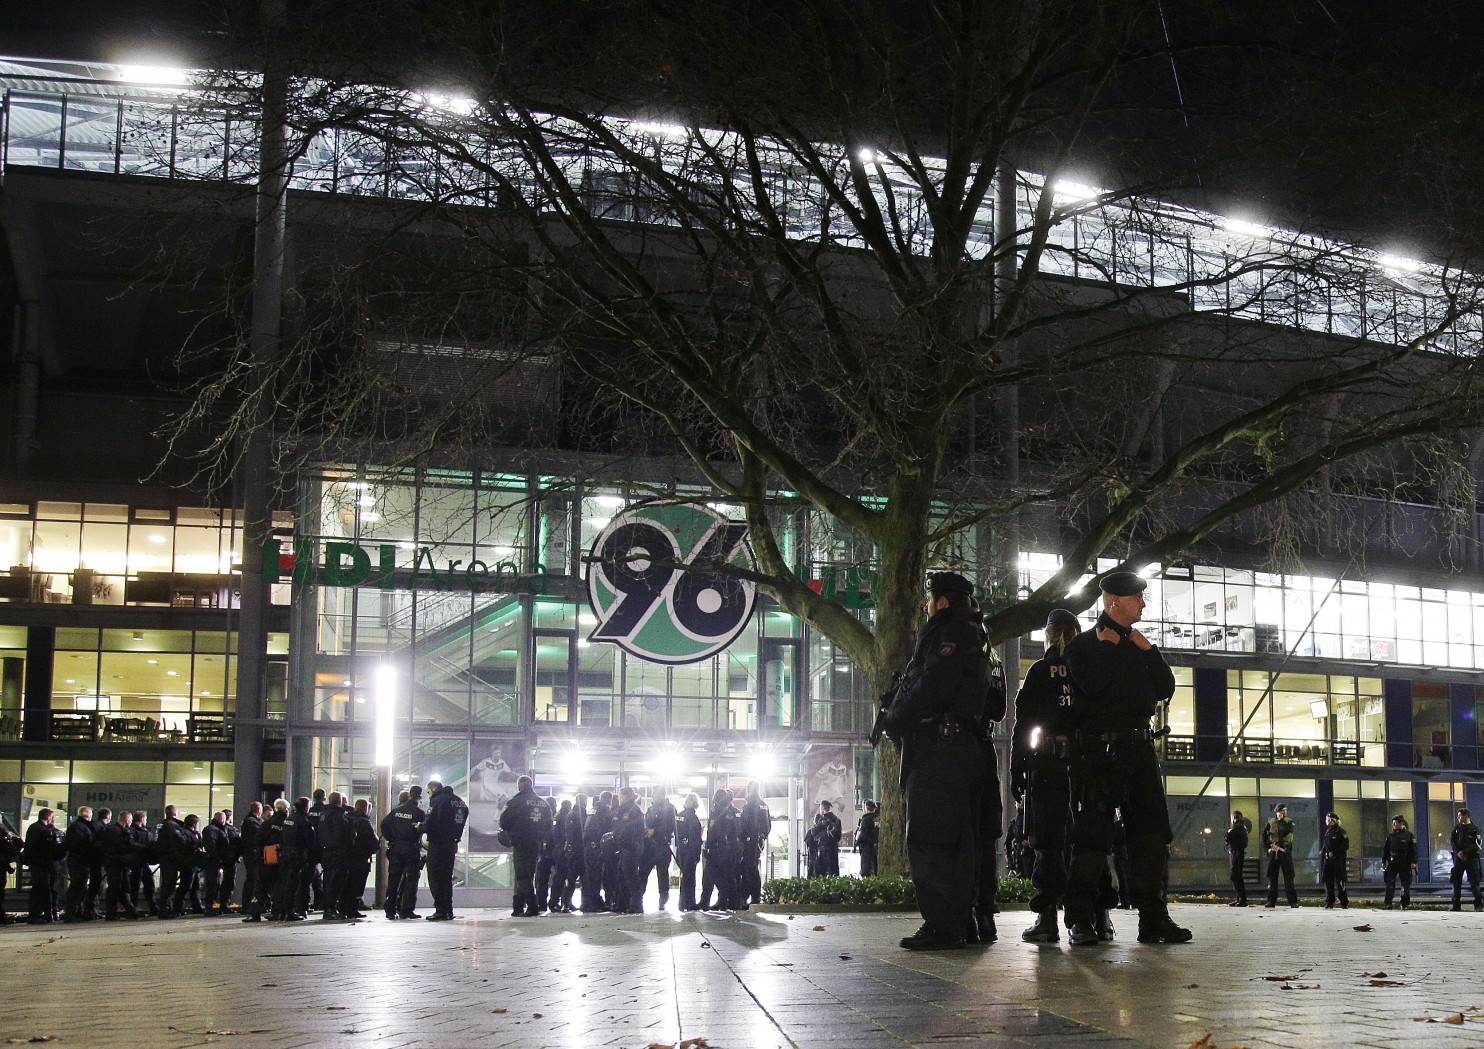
x=1431, y=726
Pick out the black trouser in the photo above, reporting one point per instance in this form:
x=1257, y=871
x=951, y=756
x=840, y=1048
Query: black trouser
x=1472, y=869
x=1333, y=869
x=1048, y=803
x=524, y=860
x=332, y=862
x=257, y=887
x=541, y=882
x=353, y=886
x=687, y=884
x=656, y=859
x=142, y=887
x=46, y=891
x=252, y=872
x=568, y=874
x=220, y=879
x=189, y=891
x=1238, y=861
x=403, y=862
x=824, y=863
x=1123, y=776
x=719, y=873
x=593, y=885
x=1281, y=862
x=169, y=882
x=288, y=883
x=118, y=890
x=868, y=860
x=441, y=857
x=78, y=872
x=631, y=879
x=749, y=875
x=1404, y=872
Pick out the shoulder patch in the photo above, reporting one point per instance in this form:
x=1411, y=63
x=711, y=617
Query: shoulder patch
x=946, y=648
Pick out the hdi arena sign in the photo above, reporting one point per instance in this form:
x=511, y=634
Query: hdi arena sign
x=650, y=606
x=351, y=565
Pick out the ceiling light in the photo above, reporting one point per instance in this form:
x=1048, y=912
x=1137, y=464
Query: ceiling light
x=156, y=75
x=153, y=662
x=1245, y=228
x=156, y=537
x=172, y=673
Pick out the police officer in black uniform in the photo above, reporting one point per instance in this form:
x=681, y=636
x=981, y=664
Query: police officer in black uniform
x=527, y=821
x=1120, y=679
x=659, y=832
x=142, y=874
x=937, y=719
x=868, y=838
x=1466, y=842
x=1039, y=771
x=118, y=854
x=170, y=842
x=402, y=830
x=335, y=839
x=991, y=806
x=1334, y=853
x=688, y=849
x=223, y=845
x=1399, y=860
x=45, y=856
x=628, y=843
x=444, y=827
x=364, y=845
x=754, y=826
x=252, y=854
x=597, y=893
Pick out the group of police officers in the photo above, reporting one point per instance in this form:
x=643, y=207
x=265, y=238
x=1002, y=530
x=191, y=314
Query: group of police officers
x=1083, y=755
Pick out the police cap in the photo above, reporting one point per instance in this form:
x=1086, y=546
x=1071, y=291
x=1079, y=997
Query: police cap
x=1399, y=818
x=1060, y=617
x=1122, y=584
x=949, y=583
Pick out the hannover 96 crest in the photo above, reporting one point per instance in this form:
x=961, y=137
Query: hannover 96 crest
x=648, y=605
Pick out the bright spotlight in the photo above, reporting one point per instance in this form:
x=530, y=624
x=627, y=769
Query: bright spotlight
x=386, y=698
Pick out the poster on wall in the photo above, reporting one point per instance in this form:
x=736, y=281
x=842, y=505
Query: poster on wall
x=649, y=606
x=492, y=782
x=829, y=775
x=120, y=796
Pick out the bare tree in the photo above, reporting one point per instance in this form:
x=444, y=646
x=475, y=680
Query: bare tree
x=904, y=275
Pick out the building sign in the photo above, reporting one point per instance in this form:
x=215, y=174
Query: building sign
x=651, y=605
x=120, y=796
x=352, y=565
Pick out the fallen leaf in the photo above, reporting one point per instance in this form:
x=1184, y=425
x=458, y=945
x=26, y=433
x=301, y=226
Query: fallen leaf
x=1279, y=979
x=34, y=1038
x=501, y=1009
x=335, y=1008
x=845, y=957
x=1364, y=928
x=819, y=928
x=1456, y=1018
x=535, y=1016
x=1379, y=976
x=1299, y=987
x=694, y=1043
x=1204, y=1042
x=1387, y=983
x=1191, y=986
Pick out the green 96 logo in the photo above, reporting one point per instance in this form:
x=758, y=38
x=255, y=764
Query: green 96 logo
x=651, y=607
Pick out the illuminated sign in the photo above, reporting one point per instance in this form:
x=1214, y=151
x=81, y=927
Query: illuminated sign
x=351, y=565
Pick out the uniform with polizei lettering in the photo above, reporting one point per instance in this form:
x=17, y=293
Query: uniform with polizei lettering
x=402, y=830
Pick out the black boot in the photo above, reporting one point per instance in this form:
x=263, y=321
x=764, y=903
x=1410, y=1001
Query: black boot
x=929, y=937
x=988, y=934
x=1156, y=926
x=1046, y=929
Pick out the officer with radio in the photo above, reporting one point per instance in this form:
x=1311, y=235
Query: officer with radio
x=1120, y=679
x=402, y=830
x=1039, y=771
x=937, y=719
x=447, y=815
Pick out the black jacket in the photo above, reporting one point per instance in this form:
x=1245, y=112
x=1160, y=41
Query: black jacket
x=1400, y=849
x=1119, y=685
x=1334, y=842
x=222, y=843
x=527, y=820
x=252, y=827
x=80, y=842
x=1045, y=701
x=364, y=844
x=146, y=842
x=661, y=820
x=754, y=823
x=298, y=832
x=1237, y=838
x=45, y=846
x=628, y=827
x=597, y=824
x=1466, y=840
x=403, y=826
x=688, y=837
x=722, y=842
x=171, y=839
x=868, y=831
x=824, y=836
x=117, y=844
x=335, y=834
x=447, y=815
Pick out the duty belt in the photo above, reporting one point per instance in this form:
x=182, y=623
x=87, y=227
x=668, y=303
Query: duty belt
x=1052, y=746
x=1130, y=735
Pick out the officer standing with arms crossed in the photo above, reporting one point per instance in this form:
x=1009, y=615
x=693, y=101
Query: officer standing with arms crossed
x=936, y=719
x=1038, y=770
x=1120, y=679
x=402, y=830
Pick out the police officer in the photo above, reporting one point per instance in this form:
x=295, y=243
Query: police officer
x=823, y=840
x=1039, y=771
x=1236, y=856
x=1466, y=841
x=753, y=827
x=295, y=856
x=312, y=887
x=659, y=832
x=191, y=860
x=444, y=827
x=597, y=892
x=546, y=865
x=142, y=875
x=1399, y=860
x=252, y=854
x=527, y=821
x=1277, y=843
x=402, y=830
x=568, y=829
x=45, y=856
x=991, y=806
x=688, y=849
x=868, y=838
x=169, y=843
x=1334, y=852
x=364, y=845
x=335, y=839
x=1119, y=679
x=10, y=852
x=721, y=848
x=117, y=844
x=937, y=719
x=80, y=843
x=223, y=844
x=628, y=843
x=269, y=850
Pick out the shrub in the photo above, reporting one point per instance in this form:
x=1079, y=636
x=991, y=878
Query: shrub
x=879, y=890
